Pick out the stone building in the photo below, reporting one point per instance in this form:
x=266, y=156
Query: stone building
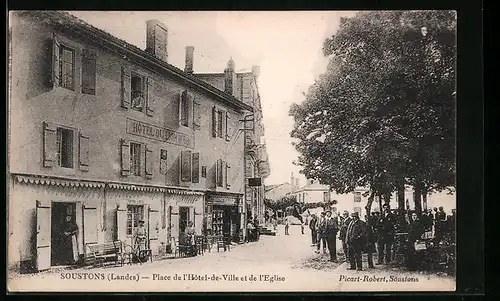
x=243, y=86
x=110, y=134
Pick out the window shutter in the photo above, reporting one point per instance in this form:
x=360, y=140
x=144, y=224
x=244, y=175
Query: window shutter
x=214, y=122
x=150, y=100
x=196, y=168
x=88, y=72
x=149, y=163
x=180, y=107
x=228, y=175
x=186, y=166
x=125, y=157
x=228, y=127
x=219, y=173
x=55, y=60
x=49, y=144
x=224, y=174
x=125, y=87
x=84, y=149
x=190, y=110
x=196, y=115
x=163, y=161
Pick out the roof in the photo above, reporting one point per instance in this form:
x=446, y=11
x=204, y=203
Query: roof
x=313, y=186
x=77, y=25
x=271, y=187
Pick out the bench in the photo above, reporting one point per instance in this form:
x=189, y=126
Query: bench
x=99, y=253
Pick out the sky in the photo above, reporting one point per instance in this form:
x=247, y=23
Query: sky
x=286, y=46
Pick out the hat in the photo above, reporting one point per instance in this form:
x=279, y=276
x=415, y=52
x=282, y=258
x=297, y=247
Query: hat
x=328, y=211
x=141, y=221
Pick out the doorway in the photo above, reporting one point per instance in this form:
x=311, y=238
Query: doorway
x=61, y=250
x=183, y=220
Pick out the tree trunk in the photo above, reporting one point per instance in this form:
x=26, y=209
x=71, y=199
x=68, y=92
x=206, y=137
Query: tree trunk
x=401, y=196
x=387, y=199
x=417, y=197
x=369, y=203
x=424, y=198
x=380, y=203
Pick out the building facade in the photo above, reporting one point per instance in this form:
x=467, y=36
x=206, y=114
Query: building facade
x=243, y=86
x=110, y=134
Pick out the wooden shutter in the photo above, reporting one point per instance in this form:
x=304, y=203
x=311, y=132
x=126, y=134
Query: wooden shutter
x=90, y=222
x=219, y=172
x=125, y=157
x=228, y=175
x=196, y=168
x=125, y=87
x=49, y=144
x=150, y=100
x=198, y=221
x=174, y=223
x=224, y=174
x=153, y=222
x=163, y=161
x=228, y=127
x=183, y=108
x=84, y=149
x=214, y=122
x=55, y=60
x=196, y=115
x=149, y=163
x=43, y=236
x=185, y=166
x=121, y=223
x=88, y=72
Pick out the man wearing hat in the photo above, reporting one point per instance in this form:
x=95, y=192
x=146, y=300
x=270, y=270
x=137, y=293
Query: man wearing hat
x=355, y=242
x=140, y=238
x=386, y=231
x=331, y=229
x=321, y=232
x=343, y=231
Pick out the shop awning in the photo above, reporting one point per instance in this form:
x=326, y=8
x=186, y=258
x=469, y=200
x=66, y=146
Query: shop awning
x=40, y=180
x=224, y=200
x=135, y=187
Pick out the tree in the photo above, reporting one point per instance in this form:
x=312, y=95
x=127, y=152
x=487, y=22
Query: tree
x=383, y=114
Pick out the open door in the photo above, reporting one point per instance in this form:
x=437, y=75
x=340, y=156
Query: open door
x=174, y=223
x=90, y=224
x=43, y=236
x=198, y=221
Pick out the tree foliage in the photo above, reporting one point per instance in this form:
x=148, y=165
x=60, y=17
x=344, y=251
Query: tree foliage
x=383, y=113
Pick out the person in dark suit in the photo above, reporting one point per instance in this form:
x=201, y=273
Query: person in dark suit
x=386, y=231
x=321, y=232
x=415, y=231
x=355, y=239
x=331, y=229
x=343, y=231
x=440, y=224
x=369, y=244
x=314, y=229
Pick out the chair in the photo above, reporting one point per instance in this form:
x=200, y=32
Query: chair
x=223, y=242
x=127, y=253
x=200, y=244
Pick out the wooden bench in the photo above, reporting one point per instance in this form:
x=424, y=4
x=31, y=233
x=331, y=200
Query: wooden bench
x=99, y=253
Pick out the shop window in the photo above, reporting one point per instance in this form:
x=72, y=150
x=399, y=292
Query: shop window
x=64, y=142
x=135, y=159
x=66, y=67
x=135, y=213
x=357, y=197
x=137, y=90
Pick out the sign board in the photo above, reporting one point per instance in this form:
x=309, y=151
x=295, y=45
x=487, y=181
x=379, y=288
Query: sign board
x=150, y=131
x=254, y=182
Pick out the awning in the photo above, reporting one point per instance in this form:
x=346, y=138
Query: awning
x=40, y=180
x=135, y=187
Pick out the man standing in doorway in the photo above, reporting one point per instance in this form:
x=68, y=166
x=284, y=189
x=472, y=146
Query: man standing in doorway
x=386, y=231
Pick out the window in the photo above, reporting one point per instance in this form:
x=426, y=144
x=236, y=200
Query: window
x=137, y=90
x=196, y=168
x=135, y=213
x=64, y=141
x=186, y=167
x=135, y=159
x=184, y=109
x=326, y=196
x=357, y=197
x=67, y=68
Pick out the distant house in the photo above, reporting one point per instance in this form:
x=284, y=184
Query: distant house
x=276, y=192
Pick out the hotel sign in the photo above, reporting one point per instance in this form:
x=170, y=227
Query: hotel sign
x=150, y=131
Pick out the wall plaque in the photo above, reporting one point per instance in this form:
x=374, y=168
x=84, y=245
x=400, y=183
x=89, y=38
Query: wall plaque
x=150, y=131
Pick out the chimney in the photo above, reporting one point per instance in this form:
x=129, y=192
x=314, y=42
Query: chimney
x=156, y=39
x=297, y=183
x=292, y=180
x=256, y=70
x=229, y=77
x=189, y=59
